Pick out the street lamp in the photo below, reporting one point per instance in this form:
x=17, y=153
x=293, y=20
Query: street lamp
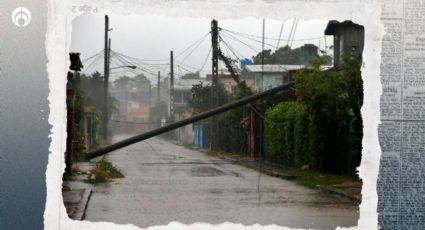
x=126, y=66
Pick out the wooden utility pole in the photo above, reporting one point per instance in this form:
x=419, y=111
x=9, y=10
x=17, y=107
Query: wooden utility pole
x=214, y=42
x=187, y=121
x=105, y=81
x=159, y=89
x=214, y=80
x=171, y=85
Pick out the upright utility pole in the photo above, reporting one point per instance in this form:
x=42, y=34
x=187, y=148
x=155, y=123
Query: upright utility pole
x=106, y=80
x=214, y=79
x=262, y=56
x=214, y=42
x=171, y=85
x=159, y=89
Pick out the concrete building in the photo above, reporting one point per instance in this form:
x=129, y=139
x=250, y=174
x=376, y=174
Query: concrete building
x=224, y=78
x=269, y=76
x=348, y=39
x=182, y=95
x=182, y=92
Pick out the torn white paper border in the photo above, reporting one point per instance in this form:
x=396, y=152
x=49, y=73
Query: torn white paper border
x=58, y=39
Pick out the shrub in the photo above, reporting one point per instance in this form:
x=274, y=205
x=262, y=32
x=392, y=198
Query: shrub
x=289, y=134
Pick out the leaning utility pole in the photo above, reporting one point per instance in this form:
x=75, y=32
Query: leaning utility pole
x=171, y=86
x=214, y=79
x=187, y=121
x=105, y=81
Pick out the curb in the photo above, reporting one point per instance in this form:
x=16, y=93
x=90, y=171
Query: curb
x=293, y=177
x=264, y=170
x=81, y=213
x=338, y=193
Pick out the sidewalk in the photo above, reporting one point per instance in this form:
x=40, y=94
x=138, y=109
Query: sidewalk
x=349, y=189
x=76, y=193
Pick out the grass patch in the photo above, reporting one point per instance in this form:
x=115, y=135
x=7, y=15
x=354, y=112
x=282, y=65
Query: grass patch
x=312, y=178
x=222, y=154
x=104, y=172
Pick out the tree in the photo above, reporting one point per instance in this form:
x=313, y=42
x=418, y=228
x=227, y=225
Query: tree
x=200, y=100
x=333, y=99
x=141, y=83
x=92, y=91
x=267, y=57
x=195, y=75
x=286, y=55
x=229, y=123
x=123, y=83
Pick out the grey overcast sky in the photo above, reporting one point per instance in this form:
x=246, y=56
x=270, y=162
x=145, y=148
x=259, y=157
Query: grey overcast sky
x=151, y=37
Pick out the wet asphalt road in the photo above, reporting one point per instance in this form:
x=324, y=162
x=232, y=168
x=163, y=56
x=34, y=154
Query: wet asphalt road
x=165, y=182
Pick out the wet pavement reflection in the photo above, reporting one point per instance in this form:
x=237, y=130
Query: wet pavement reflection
x=165, y=182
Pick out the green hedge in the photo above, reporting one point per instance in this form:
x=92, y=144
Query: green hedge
x=289, y=134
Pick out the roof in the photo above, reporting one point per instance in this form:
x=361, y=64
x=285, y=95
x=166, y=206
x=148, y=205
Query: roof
x=186, y=84
x=272, y=68
x=334, y=25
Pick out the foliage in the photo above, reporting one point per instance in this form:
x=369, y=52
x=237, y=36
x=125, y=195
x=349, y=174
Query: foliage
x=195, y=75
x=333, y=98
x=78, y=146
x=289, y=134
x=93, y=89
x=141, y=83
x=123, y=83
x=323, y=127
x=286, y=55
x=103, y=172
x=200, y=100
x=228, y=123
x=96, y=115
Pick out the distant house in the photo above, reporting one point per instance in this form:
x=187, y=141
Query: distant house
x=348, y=39
x=269, y=76
x=182, y=92
x=181, y=96
x=225, y=79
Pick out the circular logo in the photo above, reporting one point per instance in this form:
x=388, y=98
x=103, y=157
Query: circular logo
x=21, y=16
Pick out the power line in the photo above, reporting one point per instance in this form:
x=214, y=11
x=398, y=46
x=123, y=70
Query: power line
x=247, y=45
x=280, y=35
x=295, y=30
x=94, y=64
x=232, y=50
x=247, y=37
x=205, y=61
x=94, y=55
x=276, y=39
x=201, y=39
x=184, y=59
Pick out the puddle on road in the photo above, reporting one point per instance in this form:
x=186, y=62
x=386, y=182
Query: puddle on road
x=215, y=191
x=206, y=171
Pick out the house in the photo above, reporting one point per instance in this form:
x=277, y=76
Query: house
x=133, y=104
x=269, y=76
x=182, y=92
x=348, y=39
x=225, y=78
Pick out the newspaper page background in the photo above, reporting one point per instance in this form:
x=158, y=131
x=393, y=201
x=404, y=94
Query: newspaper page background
x=402, y=130
x=363, y=12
